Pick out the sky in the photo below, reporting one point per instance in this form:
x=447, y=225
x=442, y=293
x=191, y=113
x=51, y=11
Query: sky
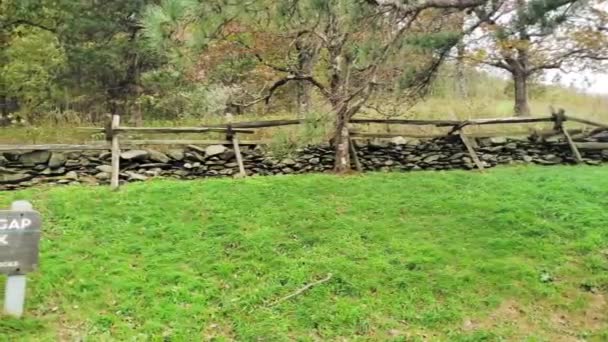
x=598, y=82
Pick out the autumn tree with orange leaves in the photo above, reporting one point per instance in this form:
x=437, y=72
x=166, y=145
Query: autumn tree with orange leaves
x=355, y=50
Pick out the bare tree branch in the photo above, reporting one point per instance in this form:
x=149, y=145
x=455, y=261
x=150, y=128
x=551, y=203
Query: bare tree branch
x=281, y=82
x=406, y=8
x=560, y=60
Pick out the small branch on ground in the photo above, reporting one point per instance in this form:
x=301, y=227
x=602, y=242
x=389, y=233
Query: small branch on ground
x=303, y=289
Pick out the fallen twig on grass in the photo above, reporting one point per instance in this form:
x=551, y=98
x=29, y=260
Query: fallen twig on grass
x=303, y=289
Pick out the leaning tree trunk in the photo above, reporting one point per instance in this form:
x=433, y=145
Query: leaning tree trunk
x=305, y=56
x=520, y=83
x=341, y=144
x=461, y=81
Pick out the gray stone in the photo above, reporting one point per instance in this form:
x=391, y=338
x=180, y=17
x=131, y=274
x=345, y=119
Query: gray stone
x=14, y=178
x=181, y=173
x=176, y=154
x=57, y=160
x=231, y=165
x=4, y=170
x=431, y=158
x=71, y=175
x=151, y=173
x=35, y=157
x=494, y=148
x=104, y=168
x=3, y=161
x=498, y=140
x=102, y=155
x=488, y=157
x=102, y=175
x=314, y=161
x=72, y=163
x=158, y=156
x=527, y=159
x=511, y=146
x=226, y=172
x=192, y=155
x=288, y=162
x=457, y=156
x=134, y=155
x=196, y=149
x=155, y=166
x=604, y=155
x=484, y=142
x=215, y=150
x=215, y=162
x=48, y=171
x=602, y=136
x=399, y=141
x=550, y=159
x=227, y=155
x=135, y=176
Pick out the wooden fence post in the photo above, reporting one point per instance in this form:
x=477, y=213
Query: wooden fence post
x=239, y=157
x=560, y=117
x=472, y=153
x=353, y=152
x=231, y=136
x=114, y=183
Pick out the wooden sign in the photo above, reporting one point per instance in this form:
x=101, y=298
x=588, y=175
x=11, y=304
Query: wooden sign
x=19, y=237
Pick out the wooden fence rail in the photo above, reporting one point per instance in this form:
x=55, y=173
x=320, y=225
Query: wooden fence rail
x=55, y=147
x=113, y=132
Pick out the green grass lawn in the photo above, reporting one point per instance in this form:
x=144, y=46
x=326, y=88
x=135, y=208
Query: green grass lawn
x=511, y=254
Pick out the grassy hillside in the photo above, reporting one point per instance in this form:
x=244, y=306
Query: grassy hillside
x=511, y=254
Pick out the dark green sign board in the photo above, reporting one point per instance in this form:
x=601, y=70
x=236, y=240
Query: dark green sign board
x=19, y=237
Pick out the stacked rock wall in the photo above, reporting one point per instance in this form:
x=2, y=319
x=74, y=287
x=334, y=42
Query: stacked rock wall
x=20, y=170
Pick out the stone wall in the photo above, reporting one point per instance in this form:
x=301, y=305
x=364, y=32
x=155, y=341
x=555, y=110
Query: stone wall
x=21, y=170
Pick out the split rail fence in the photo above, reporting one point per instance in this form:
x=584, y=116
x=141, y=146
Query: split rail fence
x=114, y=130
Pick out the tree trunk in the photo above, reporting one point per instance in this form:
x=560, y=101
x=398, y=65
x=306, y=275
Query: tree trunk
x=341, y=144
x=138, y=116
x=520, y=82
x=305, y=64
x=303, y=98
x=461, y=82
x=520, y=69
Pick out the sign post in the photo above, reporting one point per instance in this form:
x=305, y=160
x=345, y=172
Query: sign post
x=19, y=238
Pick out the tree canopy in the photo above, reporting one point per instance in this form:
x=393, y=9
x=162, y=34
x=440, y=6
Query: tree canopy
x=526, y=38
x=171, y=59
